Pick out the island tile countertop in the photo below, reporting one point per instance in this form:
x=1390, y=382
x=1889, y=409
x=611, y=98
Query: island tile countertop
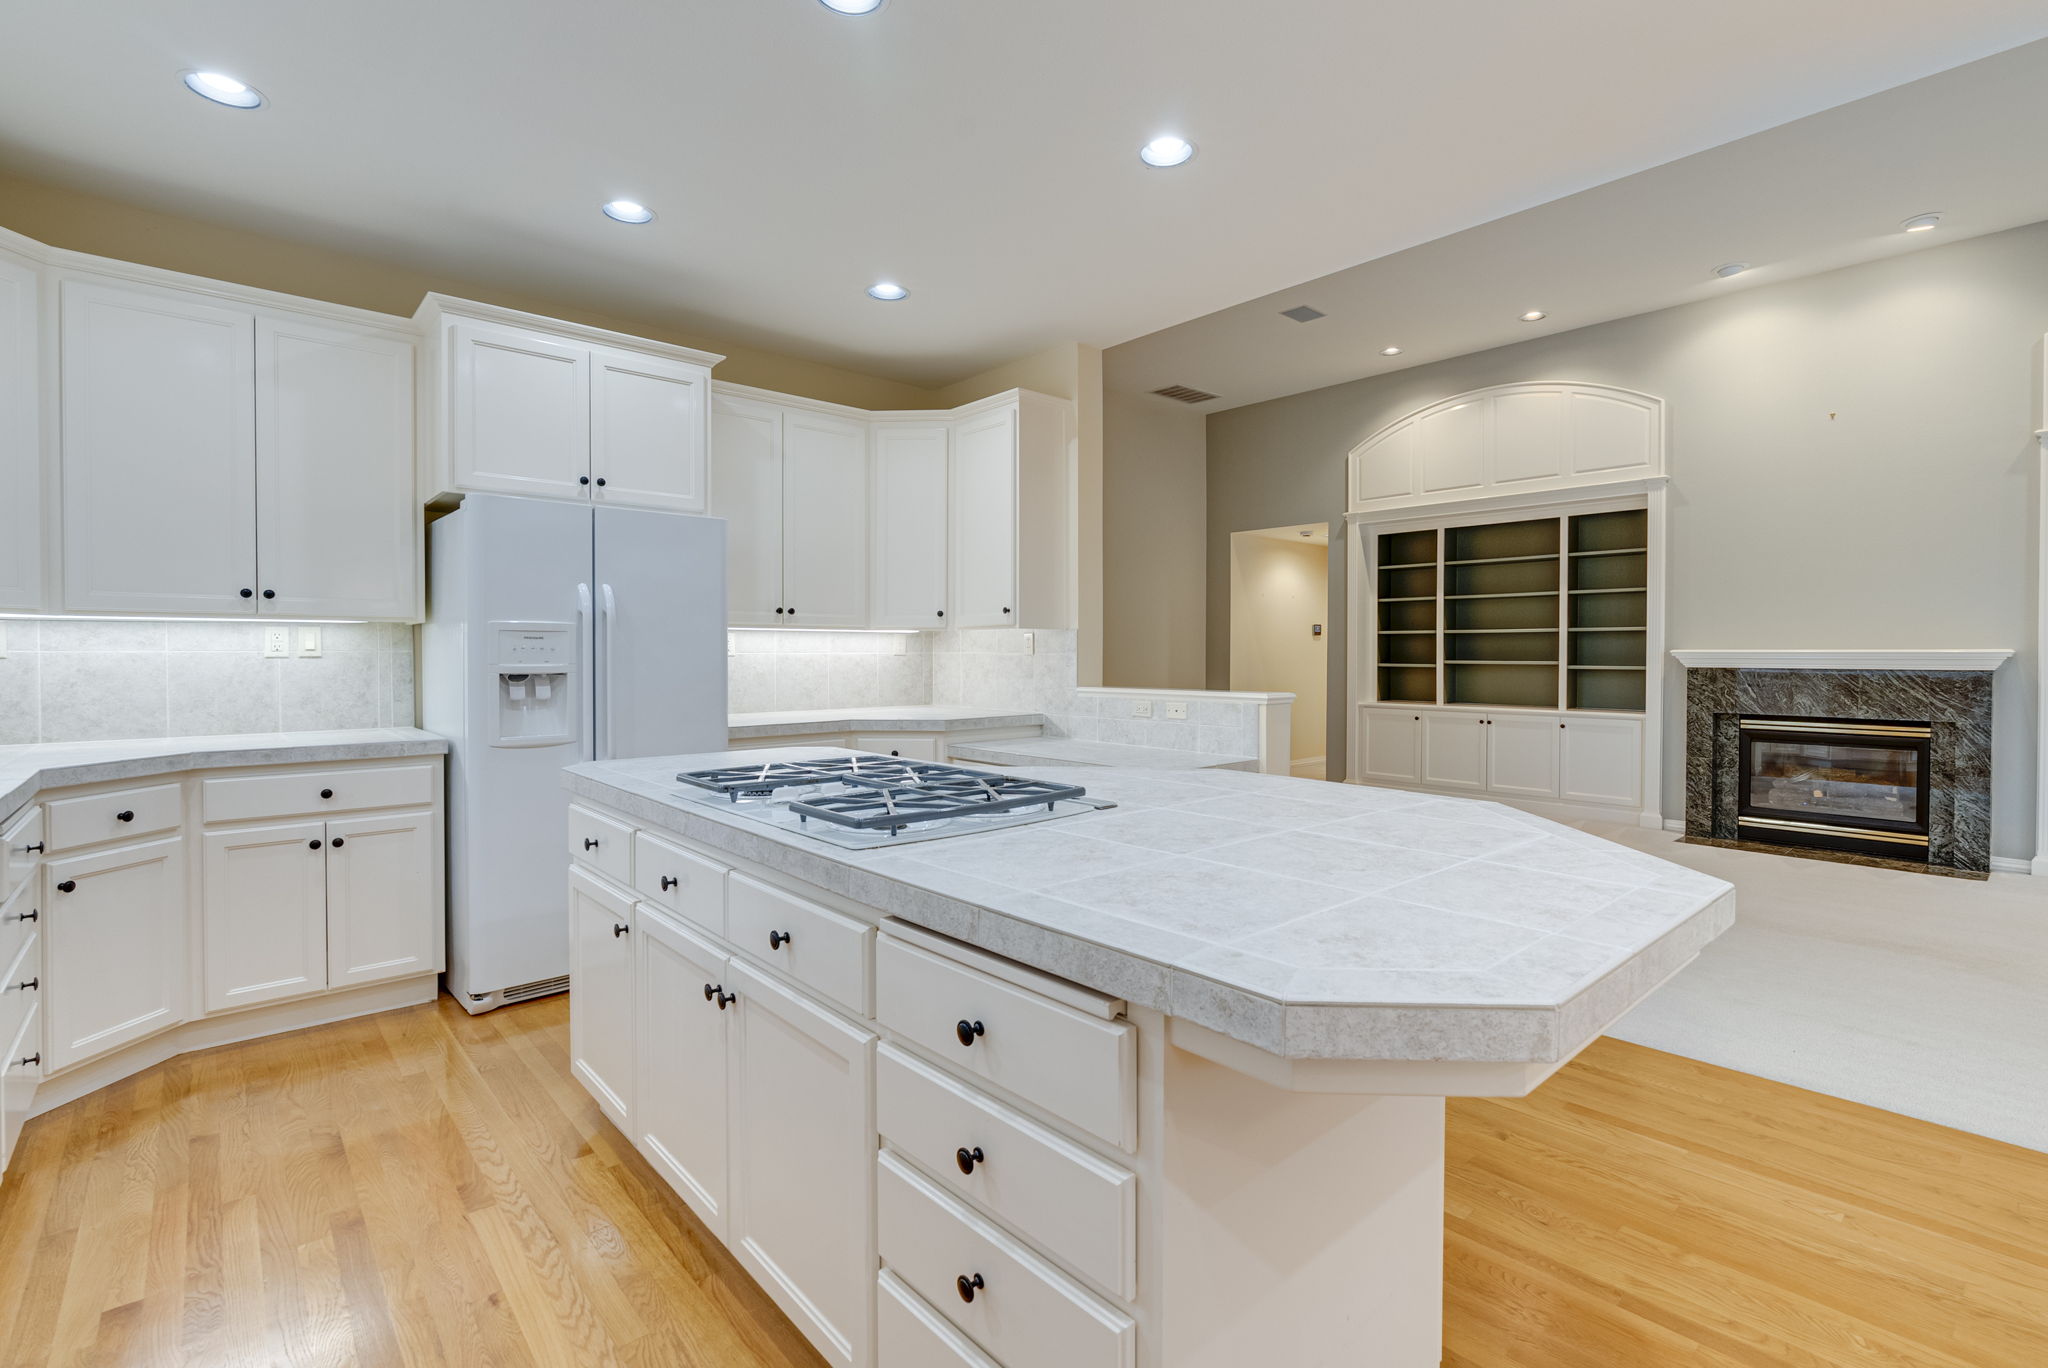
x=1308, y=919
x=1062, y=750
x=28, y=770
x=920, y=717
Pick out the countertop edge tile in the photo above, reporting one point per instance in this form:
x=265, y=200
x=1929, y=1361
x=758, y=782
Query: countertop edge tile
x=934, y=718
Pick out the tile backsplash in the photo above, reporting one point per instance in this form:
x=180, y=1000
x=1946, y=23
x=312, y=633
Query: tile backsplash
x=799, y=671
x=69, y=680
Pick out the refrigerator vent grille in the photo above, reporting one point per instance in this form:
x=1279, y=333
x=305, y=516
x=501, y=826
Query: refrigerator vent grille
x=544, y=988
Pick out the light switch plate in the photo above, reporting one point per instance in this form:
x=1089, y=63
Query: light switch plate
x=1142, y=708
x=309, y=641
x=277, y=642
x=1176, y=712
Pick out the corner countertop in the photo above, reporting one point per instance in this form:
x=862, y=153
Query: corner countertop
x=28, y=770
x=910, y=718
x=1310, y=920
x=1060, y=750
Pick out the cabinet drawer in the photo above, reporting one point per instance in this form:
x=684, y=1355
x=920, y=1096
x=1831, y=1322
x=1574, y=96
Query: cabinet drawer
x=248, y=798
x=1025, y=1312
x=686, y=884
x=75, y=822
x=21, y=850
x=1077, y=1207
x=909, y=1334
x=814, y=945
x=602, y=844
x=20, y=916
x=1078, y=1067
x=18, y=1083
x=20, y=991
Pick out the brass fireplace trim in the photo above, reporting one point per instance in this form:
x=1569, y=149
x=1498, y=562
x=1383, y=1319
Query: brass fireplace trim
x=1842, y=728
x=1860, y=833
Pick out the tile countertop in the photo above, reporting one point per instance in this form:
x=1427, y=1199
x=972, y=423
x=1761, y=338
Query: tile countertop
x=1060, y=750
x=908, y=718
x=27, y=770
x=1308, y=919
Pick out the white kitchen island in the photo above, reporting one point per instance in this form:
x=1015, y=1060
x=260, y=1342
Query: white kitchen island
x=1157, y=1085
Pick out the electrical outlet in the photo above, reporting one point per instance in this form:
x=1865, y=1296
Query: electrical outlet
x=309, y=641
x=277, y=642
x=1142, y=708
x=1176, y=712
x=1028, y=646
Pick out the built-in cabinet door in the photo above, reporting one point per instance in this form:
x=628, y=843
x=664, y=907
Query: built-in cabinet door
x=519, y=412
x=682, y=1014
x=909, y=521
x=1521, y=755
x=337, y=520
x=1454, y=751
x=803, y=1146
x=824, y=521
x=21, y=1067
x=1391, y=749
x=1602, y=761
x=601, y=994
x=746, y=490
x=647, y=427
x=159, y=452
x=384, y=918
x=21, y=453
x=984, y=520
x=263, y=914
x=114, y=948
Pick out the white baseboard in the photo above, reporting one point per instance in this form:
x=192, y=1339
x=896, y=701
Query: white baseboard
x=1676, y=824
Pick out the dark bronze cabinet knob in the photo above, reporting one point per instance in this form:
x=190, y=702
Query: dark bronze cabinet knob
x=778, y=939
x=589, y=843
x=248, y=593
x=619, y=929
x=600, y=482
x=326, y=793
x=125, y=815
x=668, y=881
x=968, y=1030
x=31, y=1061
x=270, y=593
x=35, y=849
x=968, y=1286
x=338, y=843
x=583, y=479
x=967, y=1158
x=312, y=845
x=68, y=886
x=30, y=985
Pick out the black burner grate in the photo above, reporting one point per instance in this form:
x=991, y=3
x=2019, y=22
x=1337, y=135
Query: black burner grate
x=882, y=793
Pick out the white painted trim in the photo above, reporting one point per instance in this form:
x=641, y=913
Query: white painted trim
x=2040, y=861
x=729, y=389
x=1229, y=695
x=1943, y=659
x=2006, y=864
x=1473, y=509
x=1676, y=824
x=435, y=308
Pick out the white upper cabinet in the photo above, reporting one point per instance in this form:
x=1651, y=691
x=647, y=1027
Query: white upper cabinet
x=1012, y=514
x=21, y=447
x=824, y=520
x=159, y=451
x=984, y=520
x=554, y=410
x=337, y=523
x=746, y=491
x=1509, y=439
x=908, y=502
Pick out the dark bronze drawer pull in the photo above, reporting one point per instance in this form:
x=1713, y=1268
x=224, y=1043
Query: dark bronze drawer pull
x=968, y=1030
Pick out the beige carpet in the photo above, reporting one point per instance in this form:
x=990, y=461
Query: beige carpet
x=1921, y=995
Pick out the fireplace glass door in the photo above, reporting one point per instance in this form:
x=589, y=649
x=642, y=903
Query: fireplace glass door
x=1859, y=786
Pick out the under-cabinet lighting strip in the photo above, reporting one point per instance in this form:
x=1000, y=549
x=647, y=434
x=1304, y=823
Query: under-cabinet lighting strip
x=124, y=617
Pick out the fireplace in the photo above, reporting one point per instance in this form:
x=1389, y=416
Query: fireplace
x=1836, y=784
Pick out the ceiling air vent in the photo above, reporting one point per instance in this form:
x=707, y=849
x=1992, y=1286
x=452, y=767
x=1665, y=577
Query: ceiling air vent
x=1185, y=393
x=1302, y=313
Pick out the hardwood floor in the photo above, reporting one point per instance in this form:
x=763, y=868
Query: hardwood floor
x=425, y=1187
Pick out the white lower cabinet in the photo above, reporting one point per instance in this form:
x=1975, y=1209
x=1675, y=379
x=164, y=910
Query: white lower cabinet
x=680, y=1020
x=1390, y=745
x=264, y=914
x=601, y=994
x=909, y=1334
x=115, y=948
x=1521, y=755
x=383, y=907
x=1454, y=751
x=20, y=1068
x=802, y=1135
x=1593, y=760
x=1603, y=761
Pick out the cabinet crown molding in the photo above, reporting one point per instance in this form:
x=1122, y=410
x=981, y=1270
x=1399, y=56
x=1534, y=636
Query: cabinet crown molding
x=436, y=308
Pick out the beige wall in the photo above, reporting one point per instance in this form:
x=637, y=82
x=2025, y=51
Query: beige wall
x=1279, y=590
x=1852, y=461
x=1155, y=506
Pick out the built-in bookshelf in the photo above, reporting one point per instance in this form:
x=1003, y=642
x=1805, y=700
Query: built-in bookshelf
x=1542, y=612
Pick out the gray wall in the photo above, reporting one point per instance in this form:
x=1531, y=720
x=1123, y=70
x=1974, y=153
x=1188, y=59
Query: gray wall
x=1852, y=461
x=1154, y=504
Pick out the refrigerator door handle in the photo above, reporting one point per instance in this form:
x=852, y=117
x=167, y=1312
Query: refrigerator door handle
x=584, y=628
x=608, y=621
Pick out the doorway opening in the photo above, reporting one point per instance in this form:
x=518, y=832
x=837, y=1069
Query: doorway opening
x=1279, y=629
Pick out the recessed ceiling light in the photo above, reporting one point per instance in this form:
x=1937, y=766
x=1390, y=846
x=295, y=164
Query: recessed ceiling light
x=628, y=211
x=223, y=89
x=1534, y=316
x=887, y=289
x=852, y=6
x=1166, y=151
x=1732, y=268
x=1921, y=223
x=1390, y=351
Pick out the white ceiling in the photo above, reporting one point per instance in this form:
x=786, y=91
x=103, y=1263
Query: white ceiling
x=982, y=153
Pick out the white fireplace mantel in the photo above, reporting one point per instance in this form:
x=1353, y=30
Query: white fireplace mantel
x=1842, y=660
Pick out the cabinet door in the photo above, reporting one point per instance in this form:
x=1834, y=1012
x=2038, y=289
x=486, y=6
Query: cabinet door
x=518, y=412
x=263, y=914
x=746, y=491
x=337, y=523
x=159, y=452
x=679, y=1083
x=984, y=520
x=601, y=994
x=384, y=911
x=21, y=451
x=1454, y=751
x=1602, y=761
x=824, y=521
x=803, y=1146
x=909, y=521
x=647, y=428
x=1391, y=750
x=114, y=949
x=1521, y=755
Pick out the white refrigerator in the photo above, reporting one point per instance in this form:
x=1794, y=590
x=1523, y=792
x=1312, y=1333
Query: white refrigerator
x=556, y=633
